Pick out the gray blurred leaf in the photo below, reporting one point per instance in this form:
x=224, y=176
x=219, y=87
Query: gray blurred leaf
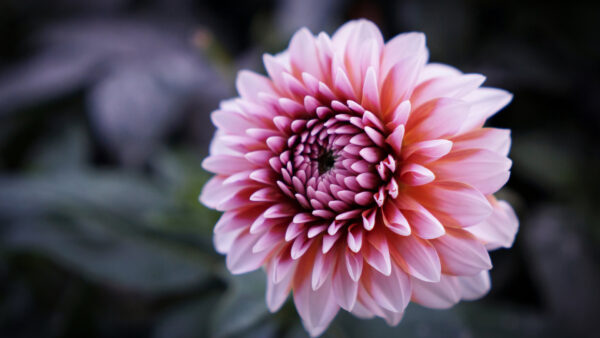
x=540, y=158
x=468, y=319
x=106, y=256
x=242, y=306
x=49, y=75
x=64, y=152
x=130, y=112
x=497, y=321
x=417, y=322
x=554, y=240
x=144, y=76
x=110, y=194
x=189, y=320
x=264, y=329
x=316, y=15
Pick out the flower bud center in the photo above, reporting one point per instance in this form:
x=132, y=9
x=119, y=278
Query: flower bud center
x=326, y=161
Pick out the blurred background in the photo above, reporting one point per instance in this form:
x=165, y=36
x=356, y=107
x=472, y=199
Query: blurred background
x=104, y=120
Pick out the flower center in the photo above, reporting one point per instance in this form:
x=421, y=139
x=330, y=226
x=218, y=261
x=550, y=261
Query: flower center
x=326, y=161
x=335, y=164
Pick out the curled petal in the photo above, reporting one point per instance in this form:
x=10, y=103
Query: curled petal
x=316, y=307
x=415, y=174
x=474, y=287
x=392, y=292
x=417, y=257
x=499, y=229
x=438, y=295
x=461, y=253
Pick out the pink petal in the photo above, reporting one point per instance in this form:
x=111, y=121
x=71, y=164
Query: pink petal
x=275, y=68
x=367, y=180
x=399, y=115
x=237, y=219
x=392, y=318
x=226, y=164
x=366, y=304
x=231, y=121
x=262, y=224
x=237, y=197
x=376, y=252
x=375, y=136
x=370, y=94
x=395, y=140
x=224, y=240
x=325, y=51
x=238, y=178
x=446, y=86
x=301, y=244
x=422, y=222
x=209, y=195
x=395, y=220
x=342, y=83
x=439, y=118
x=291, y=107
x=312, y=85
x=499, y=229
x=329, y=241
x=355, y=237
x=322, y=267
x=399, y=83
x=276, y=144
x=314, y=231
x=316, y=307
x=438, y=295
x=277, y=292
x=493, y=139
x=241, y=259
x=354, y=264
x=427, y=151
x=370, y=119
x=344, y=287
x=483, y=169
x=361, y=311
x=249, y=84
x=391, y=292
x=400, y=47
x=414, y=174
x=363, y=198
x=258, y=157
x=355, y=52
x=484, y=102
x=474, y=287
x=368, y=217
x=361, y=140
x=280, y=210
x=268, y=194
x=461, y=253
x=269, y=240
x=419, y=258
x=371, y=154
x=459, y=201
x=294, y=86
x=310, y=104
x=433, y=70
x=283, y=265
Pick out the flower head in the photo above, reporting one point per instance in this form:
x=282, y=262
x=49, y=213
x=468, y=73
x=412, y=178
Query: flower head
x=360, y=176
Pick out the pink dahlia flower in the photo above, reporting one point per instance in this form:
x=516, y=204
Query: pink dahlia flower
x=360, y=177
